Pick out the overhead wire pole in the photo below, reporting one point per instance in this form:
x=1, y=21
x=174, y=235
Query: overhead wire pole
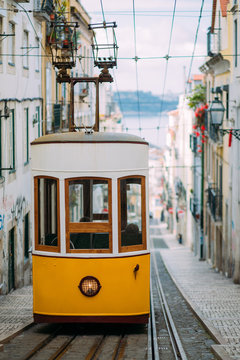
x=202, y=157
x=167, y=57
x=136, y=66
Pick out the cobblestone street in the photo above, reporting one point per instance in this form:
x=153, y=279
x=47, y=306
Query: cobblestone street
x=15, y=311
x=213, y=297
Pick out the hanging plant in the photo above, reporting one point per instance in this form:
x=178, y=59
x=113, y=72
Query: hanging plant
x=198, y=97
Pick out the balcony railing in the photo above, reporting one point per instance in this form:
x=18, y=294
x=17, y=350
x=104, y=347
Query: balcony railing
x=215, y=202
x=193, y=143
x=194, y=208
x=42, y=9
x=206, y=121
x=57, y=117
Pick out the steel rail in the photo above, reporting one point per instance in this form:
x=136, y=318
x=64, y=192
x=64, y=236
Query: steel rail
x=153, y=353
x=174, y=337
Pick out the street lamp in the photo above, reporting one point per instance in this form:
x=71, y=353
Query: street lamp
x=216, y=111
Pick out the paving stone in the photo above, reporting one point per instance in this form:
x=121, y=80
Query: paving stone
x=215, y=298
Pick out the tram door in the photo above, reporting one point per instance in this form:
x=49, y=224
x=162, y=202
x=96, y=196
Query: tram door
x=11, y=278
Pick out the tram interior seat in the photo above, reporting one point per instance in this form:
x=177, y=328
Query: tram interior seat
x=131, y=235
x=89, y=241
x=51, y=239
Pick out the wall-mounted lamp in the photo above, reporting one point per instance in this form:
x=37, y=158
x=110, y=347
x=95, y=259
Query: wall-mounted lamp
x=216, y=111
x=6, y=113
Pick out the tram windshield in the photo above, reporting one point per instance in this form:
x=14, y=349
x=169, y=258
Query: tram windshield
x=88, y=214
x=88, y=200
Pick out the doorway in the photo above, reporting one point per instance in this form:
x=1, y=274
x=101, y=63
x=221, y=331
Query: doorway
x=11, y=260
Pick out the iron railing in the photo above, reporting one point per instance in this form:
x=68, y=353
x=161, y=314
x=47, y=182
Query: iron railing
x=194, y=208
x=215, y=202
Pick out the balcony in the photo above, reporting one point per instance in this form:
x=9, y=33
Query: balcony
x=206, y=122
x=194, y=208
x=57, y=117
x=42, y=9
x=215, y=202
x=193, y=143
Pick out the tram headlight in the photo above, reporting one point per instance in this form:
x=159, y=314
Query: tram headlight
x=89, y=286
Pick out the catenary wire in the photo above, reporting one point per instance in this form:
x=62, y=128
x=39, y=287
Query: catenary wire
x=35, y=31
x=195, y=41
x=136, y=63
x=167, y=58
x=114, y=76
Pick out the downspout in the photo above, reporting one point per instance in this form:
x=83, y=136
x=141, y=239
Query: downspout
x=202, y=208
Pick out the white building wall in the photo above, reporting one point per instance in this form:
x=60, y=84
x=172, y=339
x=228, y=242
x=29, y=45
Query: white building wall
x=20, y=85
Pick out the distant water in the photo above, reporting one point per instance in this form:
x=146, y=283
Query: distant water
x=149, y=128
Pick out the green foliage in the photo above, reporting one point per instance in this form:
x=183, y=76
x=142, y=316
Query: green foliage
x=198, y=97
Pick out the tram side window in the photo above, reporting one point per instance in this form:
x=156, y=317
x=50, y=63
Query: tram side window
x=47, y=218
x=89, y=216
x=131, y=211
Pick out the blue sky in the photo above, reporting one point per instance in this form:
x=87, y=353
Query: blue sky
x=153, y=24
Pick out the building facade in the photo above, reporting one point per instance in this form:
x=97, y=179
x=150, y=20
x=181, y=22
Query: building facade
x=222, y=188
x=20, y=123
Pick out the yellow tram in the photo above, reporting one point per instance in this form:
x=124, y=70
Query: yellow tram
x=91, y=260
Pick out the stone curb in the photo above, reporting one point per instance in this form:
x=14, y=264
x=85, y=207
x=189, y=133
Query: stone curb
x=220, y=353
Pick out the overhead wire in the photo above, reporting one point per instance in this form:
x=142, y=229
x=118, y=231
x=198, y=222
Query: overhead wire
x=115, y=79
x=35, y=31
x=167, y=58
x=136, y=65
x=195, y=41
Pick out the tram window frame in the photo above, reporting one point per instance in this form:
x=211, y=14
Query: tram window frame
x=88, y=227
x=38, y=246
x=143, y=245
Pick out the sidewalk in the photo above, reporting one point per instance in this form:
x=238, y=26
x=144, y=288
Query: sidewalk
x=15, y=312
x=214, y=298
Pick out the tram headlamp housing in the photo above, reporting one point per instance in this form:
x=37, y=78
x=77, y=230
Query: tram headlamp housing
x=89, y=286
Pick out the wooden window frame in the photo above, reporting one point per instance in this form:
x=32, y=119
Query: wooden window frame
x=38, y=246
x=142, y=246
x=88, y=227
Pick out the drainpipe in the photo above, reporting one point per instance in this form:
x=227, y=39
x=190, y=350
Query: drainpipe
x=202, y=205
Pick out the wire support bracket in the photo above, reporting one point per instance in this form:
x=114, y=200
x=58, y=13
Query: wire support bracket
x=234, y=132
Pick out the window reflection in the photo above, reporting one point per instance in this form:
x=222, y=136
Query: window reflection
x=47, y=212
x=88, y=200
x=131, y=211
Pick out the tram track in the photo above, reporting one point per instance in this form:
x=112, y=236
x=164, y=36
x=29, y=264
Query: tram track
x=48, y=342
x=176, y=343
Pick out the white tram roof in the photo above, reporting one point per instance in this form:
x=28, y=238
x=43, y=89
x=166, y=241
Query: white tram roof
x=95, y=137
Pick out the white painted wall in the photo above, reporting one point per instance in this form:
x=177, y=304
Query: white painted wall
x=22, y=88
